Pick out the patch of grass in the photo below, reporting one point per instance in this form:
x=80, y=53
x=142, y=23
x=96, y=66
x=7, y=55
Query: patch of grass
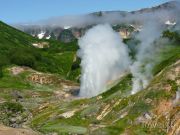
x=166, y=57
x=123, y=86
x=110, y=130
x=64, y=129
x=16, y=48
x=15, y=82
x=9, y=110
x=13, y=107
x=142, y=129
x=138, y=108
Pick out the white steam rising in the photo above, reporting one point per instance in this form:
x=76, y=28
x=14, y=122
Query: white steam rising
x=104, y=57
x=143, y=64
x=165, y=12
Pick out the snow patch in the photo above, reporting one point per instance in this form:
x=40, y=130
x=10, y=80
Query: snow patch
x=41, y=35
x=170, y=23
x=48, y=37
x=67, y=27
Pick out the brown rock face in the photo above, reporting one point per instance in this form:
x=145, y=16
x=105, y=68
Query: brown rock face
x=41, y=79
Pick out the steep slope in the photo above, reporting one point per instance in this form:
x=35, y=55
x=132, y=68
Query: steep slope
x=22, y=49
x=154, y=110
x=30, y=76
x=10, y=35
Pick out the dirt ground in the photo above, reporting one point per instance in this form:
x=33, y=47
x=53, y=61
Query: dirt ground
x=15, y=131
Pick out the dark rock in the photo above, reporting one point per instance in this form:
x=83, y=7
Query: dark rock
x=74, y=92
x=17, y=95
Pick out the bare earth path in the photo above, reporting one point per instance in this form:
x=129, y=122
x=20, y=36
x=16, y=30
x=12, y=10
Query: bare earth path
x=15, y=131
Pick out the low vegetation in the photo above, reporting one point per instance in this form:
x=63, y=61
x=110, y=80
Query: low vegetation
x=16, y=48
x=50, y=108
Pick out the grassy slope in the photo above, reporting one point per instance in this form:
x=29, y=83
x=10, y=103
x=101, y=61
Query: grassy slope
x=16, y=48
x=56, y=60
x=111, y=113
x=122, y=111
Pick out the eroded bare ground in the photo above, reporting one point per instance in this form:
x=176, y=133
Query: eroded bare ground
x=46, y=89
x=63, y=89
x=4, y=130
x=166, y=112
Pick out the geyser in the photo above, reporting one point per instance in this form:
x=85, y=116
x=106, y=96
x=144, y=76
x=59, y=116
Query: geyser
x=103, y=58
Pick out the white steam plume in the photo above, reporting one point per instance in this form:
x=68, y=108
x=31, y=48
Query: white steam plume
x=104, y=57
x=165, y=12
x=141, y=68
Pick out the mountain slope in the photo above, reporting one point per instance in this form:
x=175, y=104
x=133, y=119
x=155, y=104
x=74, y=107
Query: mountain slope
x=154, y=110
x=36, y=91
x=31, y=76
x=53, y=109
x=147, y=112
x=18, y=48
x=58, y=29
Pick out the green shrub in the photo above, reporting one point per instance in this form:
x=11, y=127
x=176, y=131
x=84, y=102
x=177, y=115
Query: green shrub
x=3, y=60
x=175, y=36
x=13, y=107
x=22, y=59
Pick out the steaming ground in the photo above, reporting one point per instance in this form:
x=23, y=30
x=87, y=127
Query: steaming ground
x=141, y=68
x=104, y=57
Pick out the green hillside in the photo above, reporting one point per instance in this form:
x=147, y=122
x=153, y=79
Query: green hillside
x=16, y=48
x=31, y=76
x=115, y=112
x=37, y=87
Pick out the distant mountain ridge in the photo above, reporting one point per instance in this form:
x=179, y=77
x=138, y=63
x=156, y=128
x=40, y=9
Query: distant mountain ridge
x=68, y=33
x=39, y=83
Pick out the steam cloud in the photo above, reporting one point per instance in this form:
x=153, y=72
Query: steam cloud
x=112, y=17
x=104, y=57
x=143, y=64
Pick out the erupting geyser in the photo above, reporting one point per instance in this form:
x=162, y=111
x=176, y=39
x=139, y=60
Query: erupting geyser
x=104, y=57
